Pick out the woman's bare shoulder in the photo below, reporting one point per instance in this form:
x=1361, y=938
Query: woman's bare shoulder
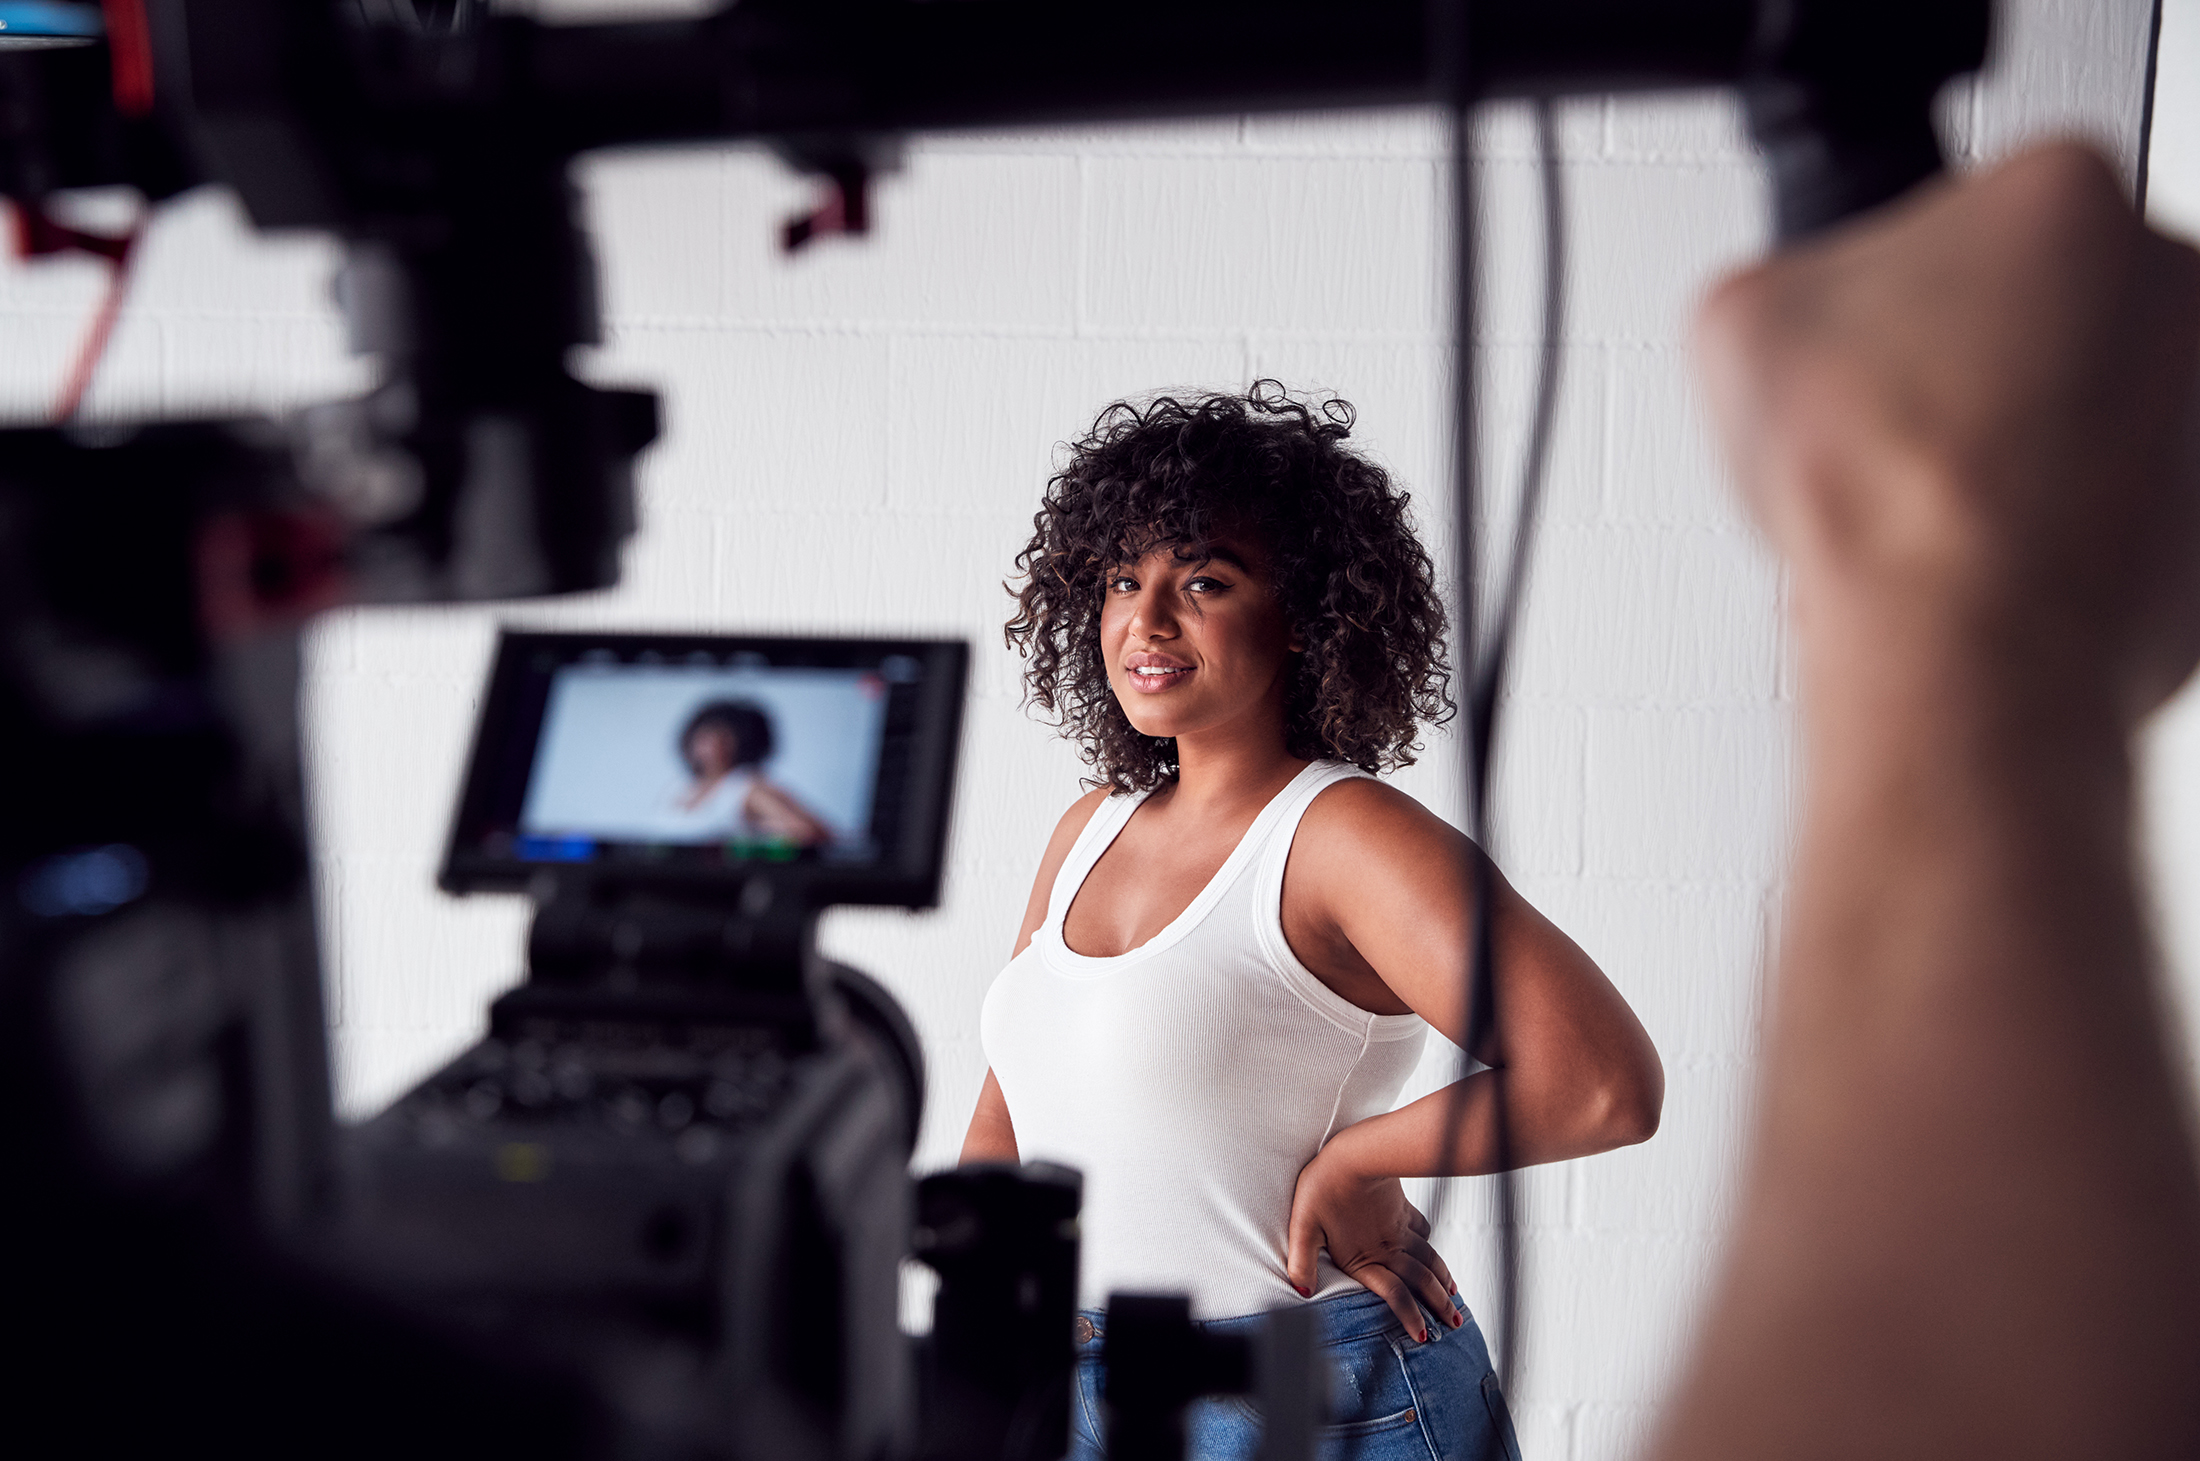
x=1360, y=820
x=1066, y=831
x=1073, y=823
x=1369, y=857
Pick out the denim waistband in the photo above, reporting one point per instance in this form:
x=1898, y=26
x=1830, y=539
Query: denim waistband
x=1341, y=1316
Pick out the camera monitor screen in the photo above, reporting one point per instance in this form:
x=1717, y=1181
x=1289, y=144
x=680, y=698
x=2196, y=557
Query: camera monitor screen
x=674, y=762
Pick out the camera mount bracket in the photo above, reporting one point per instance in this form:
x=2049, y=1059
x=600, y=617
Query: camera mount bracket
x=598, y=958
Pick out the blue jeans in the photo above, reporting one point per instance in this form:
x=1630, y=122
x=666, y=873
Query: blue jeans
x=1391, y=1399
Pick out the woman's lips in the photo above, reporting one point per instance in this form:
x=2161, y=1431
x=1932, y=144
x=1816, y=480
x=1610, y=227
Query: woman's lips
x=1158, y=679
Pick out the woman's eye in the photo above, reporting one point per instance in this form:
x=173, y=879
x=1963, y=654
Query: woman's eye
x=1121, y=585
x=1203, y=584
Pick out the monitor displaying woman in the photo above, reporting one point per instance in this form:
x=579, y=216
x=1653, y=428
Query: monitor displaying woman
x=727, y=794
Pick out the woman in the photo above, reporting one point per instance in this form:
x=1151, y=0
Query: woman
x=1237, y=940
x=725, y=744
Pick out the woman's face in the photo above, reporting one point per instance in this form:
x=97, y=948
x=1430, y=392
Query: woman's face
x=711, y=748
x=1195, y=639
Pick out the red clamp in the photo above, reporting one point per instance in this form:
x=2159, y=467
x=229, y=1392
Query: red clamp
x=846, y=210
x=129, y=55
x=37, y=235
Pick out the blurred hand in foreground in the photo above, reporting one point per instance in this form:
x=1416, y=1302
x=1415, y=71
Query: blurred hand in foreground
x=1971, y=1221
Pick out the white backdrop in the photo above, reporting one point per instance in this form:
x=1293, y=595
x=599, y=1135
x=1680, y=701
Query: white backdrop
x=856, y=440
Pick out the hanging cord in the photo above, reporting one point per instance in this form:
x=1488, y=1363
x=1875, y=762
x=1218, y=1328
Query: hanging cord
x=94, y=347
x=1535, y=467
x=1485, y=662
x=38, y=235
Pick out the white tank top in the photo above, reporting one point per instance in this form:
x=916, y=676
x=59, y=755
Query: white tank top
x=1191, y=1078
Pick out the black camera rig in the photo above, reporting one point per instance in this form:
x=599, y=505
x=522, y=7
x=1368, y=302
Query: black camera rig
x=193, y=1250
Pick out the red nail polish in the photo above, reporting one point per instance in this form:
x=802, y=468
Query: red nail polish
x=1304, y=1293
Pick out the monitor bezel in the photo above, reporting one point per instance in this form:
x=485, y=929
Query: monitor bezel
x=907, y=875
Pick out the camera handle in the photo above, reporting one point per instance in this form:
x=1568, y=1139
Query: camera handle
x=996, y=1369
x=1839, y=100
x=1158, y=1361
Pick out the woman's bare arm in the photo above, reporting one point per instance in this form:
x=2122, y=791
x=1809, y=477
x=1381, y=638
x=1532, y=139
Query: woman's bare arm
x=992, y=1135
x=1380, y=885
x=776, y=808
x=1377, y=902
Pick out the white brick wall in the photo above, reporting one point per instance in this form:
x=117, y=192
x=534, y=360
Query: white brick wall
x=856, y=439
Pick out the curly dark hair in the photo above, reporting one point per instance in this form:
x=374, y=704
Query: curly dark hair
x=748, y=723
x=1354, y=582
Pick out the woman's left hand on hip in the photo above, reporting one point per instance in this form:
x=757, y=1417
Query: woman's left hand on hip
x=1374, y=1235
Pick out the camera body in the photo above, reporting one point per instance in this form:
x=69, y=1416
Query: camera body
x=698, y=1207
x=679, y=1161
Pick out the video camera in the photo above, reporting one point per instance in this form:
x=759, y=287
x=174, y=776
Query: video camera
x=686, y=1129
x=661, y=1208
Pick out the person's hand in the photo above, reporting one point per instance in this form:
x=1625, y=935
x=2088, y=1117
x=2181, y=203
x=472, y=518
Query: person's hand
x=1373, y=1234
x=1971, y=417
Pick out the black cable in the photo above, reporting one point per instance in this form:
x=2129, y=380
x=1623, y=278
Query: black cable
x=2146, y=108
x=1485, y=665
